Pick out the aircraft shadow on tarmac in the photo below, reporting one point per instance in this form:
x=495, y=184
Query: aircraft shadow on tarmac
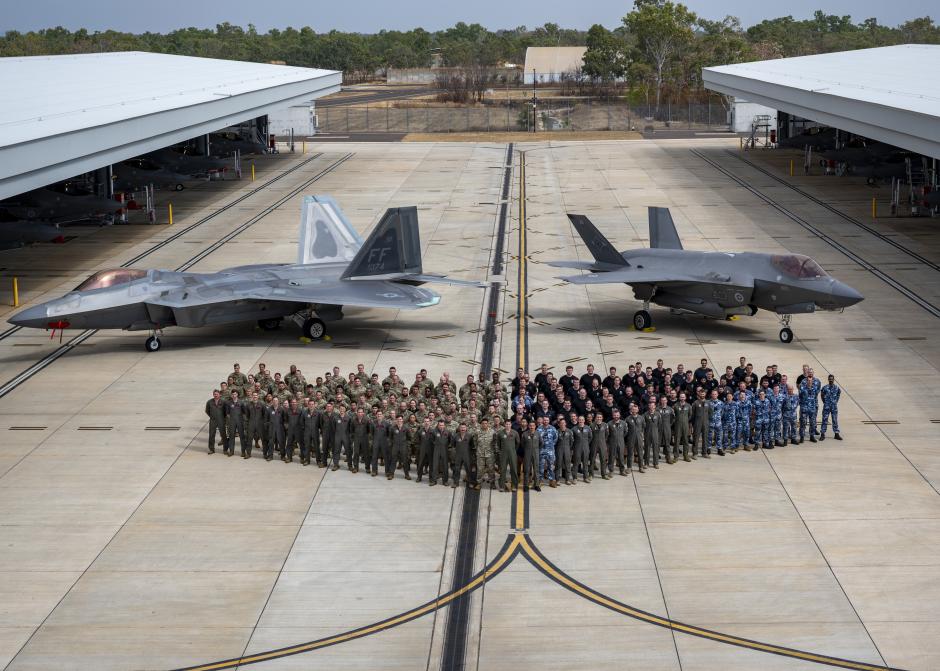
x=620, y=320
x=365, y=333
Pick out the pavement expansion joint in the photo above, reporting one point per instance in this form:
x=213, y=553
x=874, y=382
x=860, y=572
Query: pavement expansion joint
x=518, y=542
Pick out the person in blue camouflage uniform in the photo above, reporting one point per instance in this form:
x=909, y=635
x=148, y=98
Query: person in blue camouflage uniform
x=777, y=399
x=809, y=405
x=729, y=423
x=762, y=421
x=830, y=394
x=715, y=427
x=790, y=406
x=742, y=416
x=547, y=452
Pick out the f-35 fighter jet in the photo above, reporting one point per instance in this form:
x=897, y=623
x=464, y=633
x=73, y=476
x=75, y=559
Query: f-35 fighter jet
x=334, y=268
x=715, y=284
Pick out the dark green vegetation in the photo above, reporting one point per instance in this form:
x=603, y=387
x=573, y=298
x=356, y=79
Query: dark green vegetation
x=660, y=45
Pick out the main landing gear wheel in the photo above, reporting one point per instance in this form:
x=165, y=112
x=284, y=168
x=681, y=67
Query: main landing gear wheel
x=642, y=320
x=152, y=344
x=269, y=324
x=786, y=335
x=314, y=328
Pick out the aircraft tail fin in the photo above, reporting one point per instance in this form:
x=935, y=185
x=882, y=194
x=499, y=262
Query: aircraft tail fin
x=600, y=247
x=392, y=250
x=326, y=236
x=663, y=233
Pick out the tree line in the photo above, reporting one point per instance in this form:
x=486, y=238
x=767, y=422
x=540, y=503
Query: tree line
x=659, y=47
x=662, y=46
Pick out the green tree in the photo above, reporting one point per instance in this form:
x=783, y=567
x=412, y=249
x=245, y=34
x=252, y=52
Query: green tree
x=662, y=29
x=920, y=31
x=605, y=59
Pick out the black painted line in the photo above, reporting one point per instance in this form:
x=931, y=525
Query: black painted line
x=67, y=347
x=453, y=657
x=847, y=217
x=548, y=569
x=829, y=240
x=489, y=331
x=506, y=555
x=14, y=329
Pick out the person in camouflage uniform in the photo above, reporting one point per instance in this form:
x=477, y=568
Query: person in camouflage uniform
x=762, y=421
x=830, y=394
x=729, y=423
x=809, y=399
x=549, y=435
x=486, y=455
x=742, y=416
x=776, y=398
x=715, y=427
x=790, y=408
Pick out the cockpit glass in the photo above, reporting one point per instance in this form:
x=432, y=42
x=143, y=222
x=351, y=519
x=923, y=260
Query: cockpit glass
x=798, y=266
x=110, y=278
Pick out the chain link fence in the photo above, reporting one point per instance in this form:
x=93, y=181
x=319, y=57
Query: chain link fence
x=551, y=114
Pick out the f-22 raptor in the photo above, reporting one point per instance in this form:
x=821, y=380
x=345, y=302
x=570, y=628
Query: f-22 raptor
x=334, y=268
x=721, y=285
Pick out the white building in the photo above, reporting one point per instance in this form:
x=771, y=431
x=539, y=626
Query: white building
x=887, y=93
x=301, y=118
x=744, y=114
x=547, y=64
x=66, y=115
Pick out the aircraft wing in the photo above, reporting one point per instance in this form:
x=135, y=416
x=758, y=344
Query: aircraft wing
x=428, y=278
x=592, y=266
x=362, y=293
x=631, y=275
x=367, y=294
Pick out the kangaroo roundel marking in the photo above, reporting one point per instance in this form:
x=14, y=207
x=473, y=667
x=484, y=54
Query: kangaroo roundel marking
x=324, y=245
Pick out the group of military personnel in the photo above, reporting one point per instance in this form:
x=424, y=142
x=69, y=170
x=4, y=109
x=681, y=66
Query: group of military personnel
x=549, y=429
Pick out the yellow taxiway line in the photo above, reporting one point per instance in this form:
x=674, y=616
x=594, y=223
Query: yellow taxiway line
x=518, y=542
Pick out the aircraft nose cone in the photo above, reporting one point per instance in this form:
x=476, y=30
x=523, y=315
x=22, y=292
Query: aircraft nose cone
x=34, y=317
x=844, y=294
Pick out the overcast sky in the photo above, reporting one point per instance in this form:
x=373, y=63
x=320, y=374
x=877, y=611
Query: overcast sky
x=373, y=15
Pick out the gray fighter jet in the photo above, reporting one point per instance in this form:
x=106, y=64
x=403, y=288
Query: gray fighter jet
x=334, y=268
x=932, y=200
x=136, y=173
x=721, y=285
x=817, y=138
x=193, y=165
x=59, y=203
x=16, y=233
x=225, y=143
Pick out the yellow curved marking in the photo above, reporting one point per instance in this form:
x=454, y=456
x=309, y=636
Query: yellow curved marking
x=494, y=567
x=520, y=509
x=563, y=579
x=519, y=542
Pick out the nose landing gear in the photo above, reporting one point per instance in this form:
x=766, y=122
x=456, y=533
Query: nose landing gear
x=153, y=343
x=314, y=328
x=786, y=334
x=642, y=319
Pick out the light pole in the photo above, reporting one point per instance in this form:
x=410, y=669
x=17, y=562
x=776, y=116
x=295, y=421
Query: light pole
x=533, y=101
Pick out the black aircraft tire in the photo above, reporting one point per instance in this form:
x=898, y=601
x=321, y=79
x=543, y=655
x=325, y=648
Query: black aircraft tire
x=271, y=324
x=152, y=344
x=786, y=335
x=642, y=320
x=314, y=328
x=179, y=187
